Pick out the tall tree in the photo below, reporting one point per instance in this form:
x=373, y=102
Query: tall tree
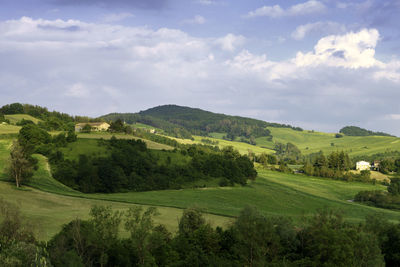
x=20, y=165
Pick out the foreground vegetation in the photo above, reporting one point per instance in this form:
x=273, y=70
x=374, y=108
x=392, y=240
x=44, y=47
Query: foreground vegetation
x=275, y=219
x=251, y=240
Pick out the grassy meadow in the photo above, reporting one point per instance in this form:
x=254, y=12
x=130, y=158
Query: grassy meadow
x=243, y=148
x=18, y=117
x=310, y=142
x=49, y=204
x=105, y=135
x=6, y=129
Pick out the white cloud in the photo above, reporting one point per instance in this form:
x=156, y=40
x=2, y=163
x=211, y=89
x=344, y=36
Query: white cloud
x=196, y=20
x=276, y=11
x=352, y=50
x=115, y=17
x=318, y=27
x=230, y=42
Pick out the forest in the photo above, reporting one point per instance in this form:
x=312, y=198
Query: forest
x=357, y=131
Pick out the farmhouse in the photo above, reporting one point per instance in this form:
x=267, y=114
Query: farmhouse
x=363, y=165
x=96, y=126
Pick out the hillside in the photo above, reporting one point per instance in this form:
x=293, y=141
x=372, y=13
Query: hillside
x=15, y=118
x=50, y=204
x=199, y=122
x=311, y=142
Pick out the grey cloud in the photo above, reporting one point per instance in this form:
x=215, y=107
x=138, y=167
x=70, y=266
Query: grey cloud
x=74, y=28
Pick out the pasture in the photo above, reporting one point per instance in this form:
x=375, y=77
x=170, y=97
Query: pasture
x=6, y=129
x=311, y=142
x=49, y=204
x=273, y=194
x=19, y=117
x=105, y=135
x=243, y=148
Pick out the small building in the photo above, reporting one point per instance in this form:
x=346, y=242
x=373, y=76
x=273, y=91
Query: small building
x=96, y=126
x=363, y=165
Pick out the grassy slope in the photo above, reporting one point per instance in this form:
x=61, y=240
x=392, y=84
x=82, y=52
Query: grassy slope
x=243, y=148
x=88, y=147
x=18, y=117
x=49, y=204
x=273, y=193
x=310, y=142
x=105, y=135
x=9, y=129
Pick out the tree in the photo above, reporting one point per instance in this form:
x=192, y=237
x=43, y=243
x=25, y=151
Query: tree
x=117, y=126
x=394, y=187
x=140, y=225
x=86, y=129
x=20, y=165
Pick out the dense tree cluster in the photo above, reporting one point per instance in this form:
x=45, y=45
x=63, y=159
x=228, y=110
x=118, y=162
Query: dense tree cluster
x=357, y=131
x=387, y=200
x=288, y=153
x=133, y=167
x=50, y=120
x=251, y=240
x=336, y=165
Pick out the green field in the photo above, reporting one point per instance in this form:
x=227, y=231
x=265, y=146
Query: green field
x=273, y=193
x=311, y=142
x=82, y=146
x=18, y=117
x=106, y=136
x=243, y=148
x=9, y=129
x=50, y=204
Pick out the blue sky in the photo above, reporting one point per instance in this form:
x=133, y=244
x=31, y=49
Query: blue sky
x=317, y=64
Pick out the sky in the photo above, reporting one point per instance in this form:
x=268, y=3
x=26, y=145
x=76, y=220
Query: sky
x=317, y=64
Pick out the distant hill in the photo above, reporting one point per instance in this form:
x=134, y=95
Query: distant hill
x=357, y=131
x=199, y=122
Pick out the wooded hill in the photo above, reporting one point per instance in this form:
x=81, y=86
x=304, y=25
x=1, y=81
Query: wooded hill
x=357, y=131
x=180, y=121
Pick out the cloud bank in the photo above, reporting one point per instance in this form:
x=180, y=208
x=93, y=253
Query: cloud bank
x=92, y=69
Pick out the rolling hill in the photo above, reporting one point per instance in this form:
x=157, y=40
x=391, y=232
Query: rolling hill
x=172, y=118
x=51, y=204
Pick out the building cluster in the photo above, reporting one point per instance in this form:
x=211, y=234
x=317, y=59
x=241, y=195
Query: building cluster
x=365, y=165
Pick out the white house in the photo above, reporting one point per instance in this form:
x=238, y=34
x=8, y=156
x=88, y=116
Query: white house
x=363, y=165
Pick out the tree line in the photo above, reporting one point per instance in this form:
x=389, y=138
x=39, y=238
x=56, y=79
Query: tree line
x=357, y=131
x=324, y=239
x=382, y=199
x=49, y=120
x=132, y=167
